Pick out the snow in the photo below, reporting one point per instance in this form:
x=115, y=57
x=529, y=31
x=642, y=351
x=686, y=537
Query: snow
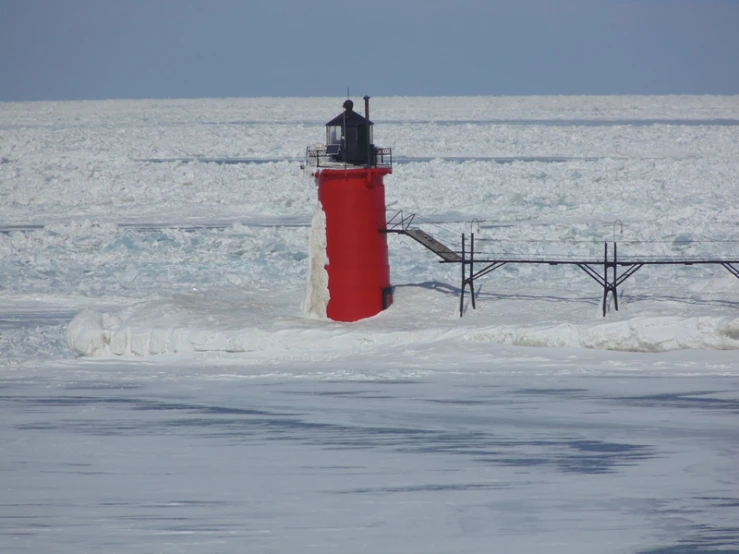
x=126, y=212
x=317, y=295
x=170, y=381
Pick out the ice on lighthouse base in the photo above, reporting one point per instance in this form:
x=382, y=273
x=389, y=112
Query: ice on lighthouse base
x=317, y=294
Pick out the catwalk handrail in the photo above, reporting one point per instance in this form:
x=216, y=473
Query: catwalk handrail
x=608, y=277
x=588, y=265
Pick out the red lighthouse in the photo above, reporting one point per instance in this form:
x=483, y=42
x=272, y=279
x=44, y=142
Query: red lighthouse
x=349, y=171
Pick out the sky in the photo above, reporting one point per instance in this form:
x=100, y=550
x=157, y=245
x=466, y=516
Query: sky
x=104, y=49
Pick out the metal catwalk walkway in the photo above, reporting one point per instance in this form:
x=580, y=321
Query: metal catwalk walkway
x=608, y=277
x=441, y=250
x=604, y=271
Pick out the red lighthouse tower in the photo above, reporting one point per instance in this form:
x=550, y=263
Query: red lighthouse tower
x=349, y=171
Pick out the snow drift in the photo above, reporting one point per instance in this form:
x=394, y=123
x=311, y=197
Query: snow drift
x=230, y=321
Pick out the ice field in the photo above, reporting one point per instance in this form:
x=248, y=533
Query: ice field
x=162, y=391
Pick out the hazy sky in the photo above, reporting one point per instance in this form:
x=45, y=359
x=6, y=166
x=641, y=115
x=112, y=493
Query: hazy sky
x=92, y=49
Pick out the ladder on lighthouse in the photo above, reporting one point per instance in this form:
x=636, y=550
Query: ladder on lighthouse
x=402, y=227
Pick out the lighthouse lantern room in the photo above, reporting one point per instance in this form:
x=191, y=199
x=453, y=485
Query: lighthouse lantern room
x=349, y=171
x=349, y=137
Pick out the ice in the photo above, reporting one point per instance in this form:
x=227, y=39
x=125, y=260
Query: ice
x=317, y=295
x=105, y=200
x=638, y=334
x=170, y=382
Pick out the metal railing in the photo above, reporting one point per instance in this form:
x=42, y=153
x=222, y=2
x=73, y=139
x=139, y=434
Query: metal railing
x=321, y=156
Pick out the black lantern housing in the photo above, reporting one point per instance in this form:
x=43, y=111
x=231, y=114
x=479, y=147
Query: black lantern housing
x=349, y=138
x=349, y=142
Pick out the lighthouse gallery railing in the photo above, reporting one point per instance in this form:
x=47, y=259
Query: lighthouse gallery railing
x=320, y=156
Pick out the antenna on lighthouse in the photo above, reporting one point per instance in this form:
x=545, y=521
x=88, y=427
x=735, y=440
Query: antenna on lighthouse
x=369, y=131
x=344, y=134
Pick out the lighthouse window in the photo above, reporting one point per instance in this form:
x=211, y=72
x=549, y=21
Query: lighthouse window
x=334, y=135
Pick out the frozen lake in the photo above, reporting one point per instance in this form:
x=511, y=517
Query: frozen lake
x=162, y=391
x=113, y=457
